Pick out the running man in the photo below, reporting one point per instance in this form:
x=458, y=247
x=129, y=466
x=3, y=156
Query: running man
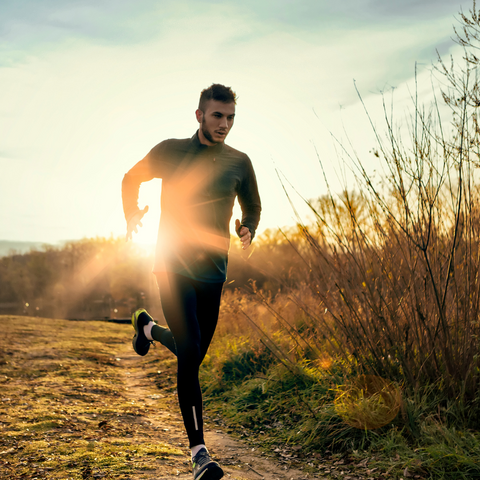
x=201, y=177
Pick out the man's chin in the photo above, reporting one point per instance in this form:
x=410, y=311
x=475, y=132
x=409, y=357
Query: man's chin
x=213, y=137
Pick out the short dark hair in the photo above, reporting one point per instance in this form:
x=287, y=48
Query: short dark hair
x=218, y=92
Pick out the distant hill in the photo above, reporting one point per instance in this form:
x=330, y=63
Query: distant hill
x=9, y=246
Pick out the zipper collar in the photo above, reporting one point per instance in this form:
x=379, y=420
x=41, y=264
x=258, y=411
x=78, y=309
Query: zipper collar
x=199, y=147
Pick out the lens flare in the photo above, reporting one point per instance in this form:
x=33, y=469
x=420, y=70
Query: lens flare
x=369, y=402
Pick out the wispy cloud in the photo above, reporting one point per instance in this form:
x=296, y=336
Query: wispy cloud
x=88, y=87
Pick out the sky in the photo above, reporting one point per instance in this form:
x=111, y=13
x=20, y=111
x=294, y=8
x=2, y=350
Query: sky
x=87, y=88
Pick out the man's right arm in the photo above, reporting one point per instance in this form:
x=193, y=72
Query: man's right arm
x=138, y=174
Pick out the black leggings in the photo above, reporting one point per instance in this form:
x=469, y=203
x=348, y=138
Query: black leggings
x=191, y=310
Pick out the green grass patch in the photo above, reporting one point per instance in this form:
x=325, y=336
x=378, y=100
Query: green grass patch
x=291, y=408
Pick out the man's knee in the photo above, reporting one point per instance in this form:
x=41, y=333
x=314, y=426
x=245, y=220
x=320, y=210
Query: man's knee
x=189, y=353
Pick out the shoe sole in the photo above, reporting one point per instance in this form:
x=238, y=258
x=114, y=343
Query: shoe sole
x=137, y=335
x=213, y=472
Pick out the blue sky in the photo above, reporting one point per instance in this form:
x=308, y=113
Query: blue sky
x=87, y=88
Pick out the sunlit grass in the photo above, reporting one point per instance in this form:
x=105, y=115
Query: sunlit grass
x=64, y=410
x=274, y=392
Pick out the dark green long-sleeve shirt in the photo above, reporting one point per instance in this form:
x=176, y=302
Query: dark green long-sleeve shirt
x=199, y=186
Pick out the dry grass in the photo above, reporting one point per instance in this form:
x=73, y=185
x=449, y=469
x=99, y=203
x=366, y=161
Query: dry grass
x=66, y=409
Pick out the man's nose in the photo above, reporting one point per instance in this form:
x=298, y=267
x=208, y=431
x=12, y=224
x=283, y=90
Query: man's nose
x=224, y=122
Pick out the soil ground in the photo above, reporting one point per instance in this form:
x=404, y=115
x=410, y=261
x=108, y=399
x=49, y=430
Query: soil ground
x=78, y=403
x=236, y=458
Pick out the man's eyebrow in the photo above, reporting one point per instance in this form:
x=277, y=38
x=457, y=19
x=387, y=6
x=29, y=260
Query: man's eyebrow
x=221, y=113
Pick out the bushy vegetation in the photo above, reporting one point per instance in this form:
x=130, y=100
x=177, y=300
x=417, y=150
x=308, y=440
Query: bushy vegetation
x=386, y=287
x=90, y=278
x=278, y=384
x=102, y=278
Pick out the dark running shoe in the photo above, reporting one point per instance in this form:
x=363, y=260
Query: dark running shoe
x=140, y=342
x=205, y=468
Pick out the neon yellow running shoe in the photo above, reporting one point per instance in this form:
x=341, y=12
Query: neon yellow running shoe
x=140, y=342
x=205, y=468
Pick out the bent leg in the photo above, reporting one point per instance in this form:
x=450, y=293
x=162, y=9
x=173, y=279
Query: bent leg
x=165, y=337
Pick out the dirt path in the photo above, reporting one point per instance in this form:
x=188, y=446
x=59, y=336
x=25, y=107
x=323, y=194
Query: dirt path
x=238, y=460
x=78, y=404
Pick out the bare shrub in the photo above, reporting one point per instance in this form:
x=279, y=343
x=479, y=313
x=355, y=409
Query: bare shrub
x=394, y=266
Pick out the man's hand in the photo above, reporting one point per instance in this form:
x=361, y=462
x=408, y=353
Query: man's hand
x=135, y=221
x=244, y=233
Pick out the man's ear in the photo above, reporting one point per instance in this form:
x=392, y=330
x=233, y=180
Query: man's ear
x=199, y=115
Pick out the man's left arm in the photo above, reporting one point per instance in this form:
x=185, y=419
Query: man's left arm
x=249, y=200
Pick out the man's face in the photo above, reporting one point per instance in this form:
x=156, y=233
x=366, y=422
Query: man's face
x=215, y=122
